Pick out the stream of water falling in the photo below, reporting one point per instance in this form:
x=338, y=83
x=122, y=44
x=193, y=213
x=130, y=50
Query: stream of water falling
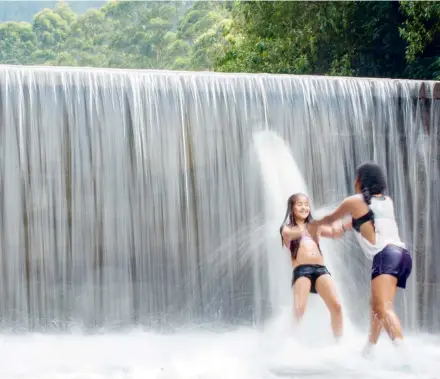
x=134, y=199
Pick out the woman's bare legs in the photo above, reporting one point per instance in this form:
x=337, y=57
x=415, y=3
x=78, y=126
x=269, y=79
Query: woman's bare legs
x=383, y=291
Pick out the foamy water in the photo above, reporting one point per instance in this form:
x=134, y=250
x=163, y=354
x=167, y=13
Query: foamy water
x=243, y=354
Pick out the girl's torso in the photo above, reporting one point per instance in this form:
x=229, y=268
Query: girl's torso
x=375, y=226
x=308, y=252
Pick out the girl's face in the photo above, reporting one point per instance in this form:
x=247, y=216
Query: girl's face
x=301, y=208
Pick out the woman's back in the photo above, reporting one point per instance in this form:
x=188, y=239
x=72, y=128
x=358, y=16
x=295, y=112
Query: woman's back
x=385, y=227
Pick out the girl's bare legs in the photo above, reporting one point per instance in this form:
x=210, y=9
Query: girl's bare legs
x=301, y=290
x=327, y=290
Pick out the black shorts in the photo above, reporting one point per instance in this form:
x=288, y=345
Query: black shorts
x=393, y=260
x=311, y=272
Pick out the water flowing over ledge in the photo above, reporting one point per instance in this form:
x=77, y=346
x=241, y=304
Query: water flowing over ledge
x=135, y=197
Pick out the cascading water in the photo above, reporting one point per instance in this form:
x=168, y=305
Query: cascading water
x=282, y=178
x=136, y=198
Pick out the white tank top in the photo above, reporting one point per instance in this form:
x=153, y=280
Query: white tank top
x=387, y=232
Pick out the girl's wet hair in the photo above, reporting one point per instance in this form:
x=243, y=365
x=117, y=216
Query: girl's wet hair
x=289, y=219
x=371, y=179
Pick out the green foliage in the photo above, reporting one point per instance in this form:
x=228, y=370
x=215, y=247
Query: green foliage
x=17, y=43
x=421, y=31
x=142, y=35
x=357, y=38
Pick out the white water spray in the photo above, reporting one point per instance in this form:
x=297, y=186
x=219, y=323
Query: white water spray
x=281, y=178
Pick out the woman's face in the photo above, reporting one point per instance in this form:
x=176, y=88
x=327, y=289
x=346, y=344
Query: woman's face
x=301, y=208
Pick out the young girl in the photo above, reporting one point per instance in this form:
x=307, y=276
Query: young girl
x=375, y=227
x=309, y=271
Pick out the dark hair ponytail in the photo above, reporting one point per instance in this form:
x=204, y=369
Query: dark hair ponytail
x=366, y=194
x=371, y=179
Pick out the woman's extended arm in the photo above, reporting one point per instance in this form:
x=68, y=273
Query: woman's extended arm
x=336, y=230
x=340, y=212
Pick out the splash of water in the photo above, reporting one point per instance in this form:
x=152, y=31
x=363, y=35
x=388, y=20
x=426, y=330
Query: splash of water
x=281, y=178
x=243, y=354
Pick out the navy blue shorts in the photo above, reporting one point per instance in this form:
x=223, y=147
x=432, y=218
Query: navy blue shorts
x=393, y=260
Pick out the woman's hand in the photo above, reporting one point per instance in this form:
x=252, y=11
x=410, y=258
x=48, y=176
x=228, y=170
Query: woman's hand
x=335, y=230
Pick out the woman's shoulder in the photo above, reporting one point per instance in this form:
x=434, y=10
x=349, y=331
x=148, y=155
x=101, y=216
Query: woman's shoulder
x=354, y=199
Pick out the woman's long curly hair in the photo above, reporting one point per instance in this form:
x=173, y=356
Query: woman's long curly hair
x=294, y=245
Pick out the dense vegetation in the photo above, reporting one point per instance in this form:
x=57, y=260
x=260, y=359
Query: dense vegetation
x=159, y=35
x=25, y=10
x=380, y=39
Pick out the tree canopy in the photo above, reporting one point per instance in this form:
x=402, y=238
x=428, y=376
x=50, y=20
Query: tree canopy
x=155, y=35
x=359, y=38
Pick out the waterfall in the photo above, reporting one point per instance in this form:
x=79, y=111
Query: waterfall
x=134, y=197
